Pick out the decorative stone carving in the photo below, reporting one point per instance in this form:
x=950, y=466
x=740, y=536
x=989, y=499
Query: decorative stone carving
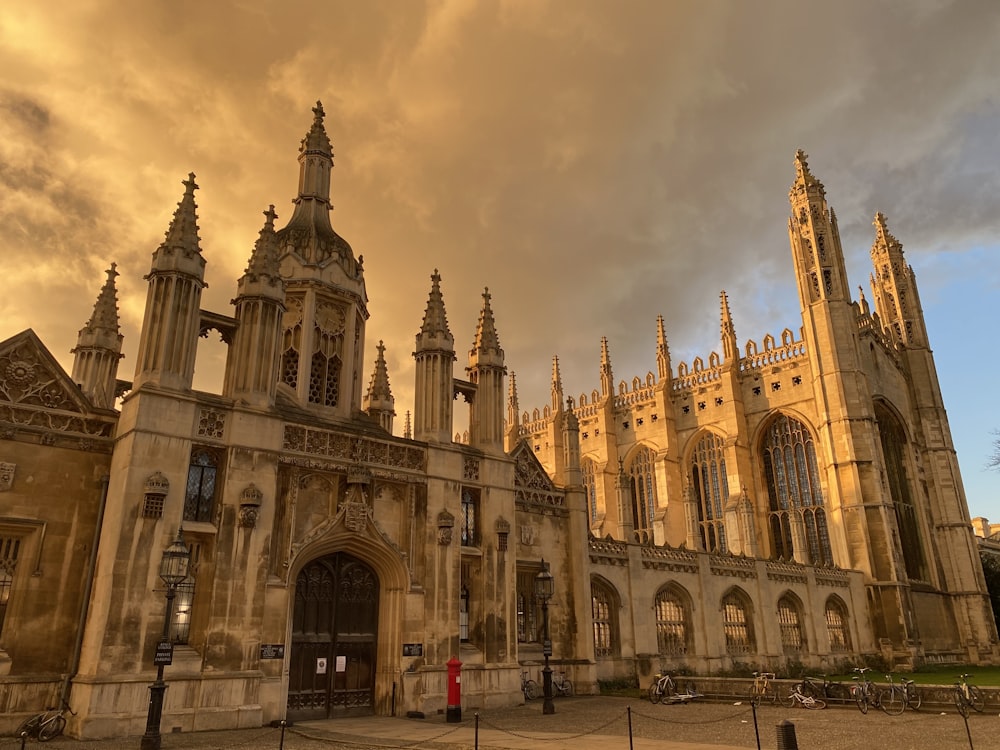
x=6, y=476
x=446, y=525
x=250, y=500
x=470, y=469
x=211, y=423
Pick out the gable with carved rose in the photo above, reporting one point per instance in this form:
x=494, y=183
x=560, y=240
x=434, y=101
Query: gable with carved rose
x=532, y=484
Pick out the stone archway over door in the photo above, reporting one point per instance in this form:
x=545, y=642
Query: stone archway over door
x=334, y=628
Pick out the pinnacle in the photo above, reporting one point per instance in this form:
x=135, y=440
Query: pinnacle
x=264, y=258
x=316, y=139
x=486, y=332
x=378, y=388
x=183, y=230
x=804, y=179
x=105, y=314
x=435, y=318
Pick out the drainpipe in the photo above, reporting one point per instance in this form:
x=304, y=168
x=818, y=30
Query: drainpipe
x=87, y=589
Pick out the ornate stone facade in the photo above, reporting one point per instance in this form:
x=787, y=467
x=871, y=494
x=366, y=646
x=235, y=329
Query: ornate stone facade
x=793, y=501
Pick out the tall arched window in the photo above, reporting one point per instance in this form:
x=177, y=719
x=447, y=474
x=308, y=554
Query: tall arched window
x=836, y=625
x=640, y=471
x=794, y=492
x=672, y=617
x=893, y=441
x=590, y=486
x=737, y=624
x=604, y=609
x=199, y=496
x=790, y=625
x=708, y=481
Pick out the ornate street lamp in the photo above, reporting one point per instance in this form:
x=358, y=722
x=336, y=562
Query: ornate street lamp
x=544, y=588
x=173, y=572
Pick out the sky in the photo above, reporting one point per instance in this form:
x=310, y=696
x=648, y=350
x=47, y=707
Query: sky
x=594, y=163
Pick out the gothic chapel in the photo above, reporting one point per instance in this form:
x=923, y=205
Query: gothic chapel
x=793, y=500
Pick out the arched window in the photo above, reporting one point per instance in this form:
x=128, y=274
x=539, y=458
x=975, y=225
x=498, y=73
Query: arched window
x=796, y=509
x=199, y=496
x=836, y=626
x=604, y=608
x=587, y=468
x=711, y=489
x=737, y=625
x=640, y=471
x=893, y=441
x=10, y=547
x=790, y=625
x=671, y=623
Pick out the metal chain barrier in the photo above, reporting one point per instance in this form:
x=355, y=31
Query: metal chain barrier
x=561, y=737
x=727, y=717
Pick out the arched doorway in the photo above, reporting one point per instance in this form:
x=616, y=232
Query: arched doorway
x=334, y=629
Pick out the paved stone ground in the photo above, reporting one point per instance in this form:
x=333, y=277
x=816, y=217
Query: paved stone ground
x=727, y=724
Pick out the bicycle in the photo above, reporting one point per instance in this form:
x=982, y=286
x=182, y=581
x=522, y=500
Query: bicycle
x=796, y=696
x=664, y=690
x=561, y=685
x=863, y=690
x=823, y=688
x=892, y=700
x=762, y=689
x=913, y=699
x=968, y=696
x=47, y=725
x=529, y=687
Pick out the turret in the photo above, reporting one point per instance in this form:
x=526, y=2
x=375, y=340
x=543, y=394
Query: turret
x=894, y=288
x=252, y=365
x=486, y=372
x=169, y=340
x=322, y=348
x=99, y=347
x=434, y=371
x=815, y=240
x=379, y=402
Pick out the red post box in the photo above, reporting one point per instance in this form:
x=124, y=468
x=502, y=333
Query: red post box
x=454, y=713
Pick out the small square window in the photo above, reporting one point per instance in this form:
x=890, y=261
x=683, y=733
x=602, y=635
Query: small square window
x=718, y=402
x=756, y=390
x=775, y=386
x=701, y=406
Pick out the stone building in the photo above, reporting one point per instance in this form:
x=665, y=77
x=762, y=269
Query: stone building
x=793, y=501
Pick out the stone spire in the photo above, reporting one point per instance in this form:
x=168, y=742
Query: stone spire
x=894, y=288
x=379, y=402
x=607, y=377
x=662, y=351
x=812, y=229
x=486, y=371
x=407, y=427
x=252, y=366
x=513, y=416
x=434, y=371
x=99, y=346
x=309, y=233
x=730, y=348
x=171, y=323
x=557, y=387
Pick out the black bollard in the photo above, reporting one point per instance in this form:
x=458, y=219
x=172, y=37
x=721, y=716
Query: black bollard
x=756, y=729
x=629, y=710
x=281, y=744
x=477, y=730
x=786, y=736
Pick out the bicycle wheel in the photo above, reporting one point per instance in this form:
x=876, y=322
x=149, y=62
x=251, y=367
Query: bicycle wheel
x=814, y=703
x=51, y=729
x=29, y=725
x=754, y=696
x=809, y=689
x=913, y=698
x=861, y=698
x=788, y=699
x=976, y=699
x=960, y=702
x=567, y=688
x=655, y=696
x=892, y=700
x=531, y=690
x=690, y=689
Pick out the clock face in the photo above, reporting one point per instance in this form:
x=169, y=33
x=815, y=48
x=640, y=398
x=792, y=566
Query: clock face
x=330, y=318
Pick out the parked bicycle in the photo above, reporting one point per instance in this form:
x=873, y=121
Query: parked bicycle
x=892, y=699
x=664, y=690
x=47, y=725
x=968, y=696
x=797, y=697
x=913, y=699
x=529, y=687
x=823, y=688
x=561, y=686
x=762, y=689
x=864, y=691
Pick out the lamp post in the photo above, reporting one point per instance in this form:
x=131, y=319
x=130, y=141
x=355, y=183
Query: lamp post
x=173, y=572
x=544, y=588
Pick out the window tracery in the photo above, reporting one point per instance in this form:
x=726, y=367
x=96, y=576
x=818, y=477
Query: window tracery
x=643, y=478
x=672, y=630
x=709, y=482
